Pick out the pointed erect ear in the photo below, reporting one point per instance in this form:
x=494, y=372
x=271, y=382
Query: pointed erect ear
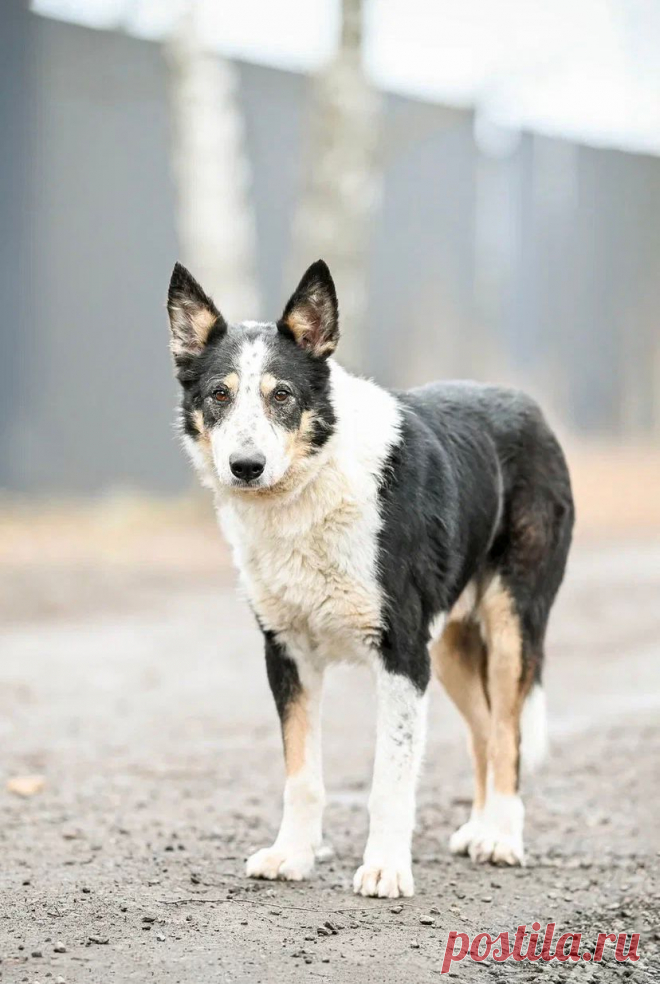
x=193, y=315
x=312, y=314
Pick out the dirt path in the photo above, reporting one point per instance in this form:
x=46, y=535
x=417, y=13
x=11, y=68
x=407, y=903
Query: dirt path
x=142, y=699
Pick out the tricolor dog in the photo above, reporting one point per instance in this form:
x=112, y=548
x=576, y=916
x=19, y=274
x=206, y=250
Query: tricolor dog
x=408, y=531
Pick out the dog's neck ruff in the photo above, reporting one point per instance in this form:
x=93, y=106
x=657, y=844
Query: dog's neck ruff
x=309, y=563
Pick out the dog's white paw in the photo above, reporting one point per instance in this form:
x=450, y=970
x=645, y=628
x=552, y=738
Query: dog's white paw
x=461, y=839
x=493, y=845
x=274, y=862
x=494, y=834
x=386, y=881
x=498, y=848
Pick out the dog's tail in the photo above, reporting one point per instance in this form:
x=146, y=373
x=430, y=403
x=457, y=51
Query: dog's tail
x=533, y=729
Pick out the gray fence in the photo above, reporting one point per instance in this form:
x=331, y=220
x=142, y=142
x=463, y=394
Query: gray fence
x=541, y=267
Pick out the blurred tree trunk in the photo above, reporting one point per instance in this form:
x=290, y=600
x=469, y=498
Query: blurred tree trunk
x=342, y=181
x=212, y=175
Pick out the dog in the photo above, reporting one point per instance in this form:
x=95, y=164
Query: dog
x=408, y=531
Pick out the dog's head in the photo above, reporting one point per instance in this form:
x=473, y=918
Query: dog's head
x=256, y=407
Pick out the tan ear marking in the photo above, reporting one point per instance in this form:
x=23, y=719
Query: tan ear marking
x=302, y=323
x=191, y=327
x=298, y=324
x=311, y=313
x=192, y=313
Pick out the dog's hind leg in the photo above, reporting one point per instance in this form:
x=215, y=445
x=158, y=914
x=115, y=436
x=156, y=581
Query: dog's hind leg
x=297, y=694
x=501, y=836
x=459, y=659
x=400, y=733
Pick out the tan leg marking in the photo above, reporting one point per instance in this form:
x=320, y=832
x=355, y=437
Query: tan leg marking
x=459, y=659
x=295, y=729
x=505, y=684
x=291, y=857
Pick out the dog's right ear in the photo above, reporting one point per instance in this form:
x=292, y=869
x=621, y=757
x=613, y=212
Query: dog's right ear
x=193, y=315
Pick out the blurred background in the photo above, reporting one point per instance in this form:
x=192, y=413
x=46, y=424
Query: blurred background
x=483, y=178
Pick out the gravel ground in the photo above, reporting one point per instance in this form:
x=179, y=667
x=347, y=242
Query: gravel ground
x=139, y=694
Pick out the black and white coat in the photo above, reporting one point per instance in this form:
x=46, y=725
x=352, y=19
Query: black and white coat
x=404, y=531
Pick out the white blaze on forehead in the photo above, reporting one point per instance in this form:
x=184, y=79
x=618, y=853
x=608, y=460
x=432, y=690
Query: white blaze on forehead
x=248, y=415
x=247, y=427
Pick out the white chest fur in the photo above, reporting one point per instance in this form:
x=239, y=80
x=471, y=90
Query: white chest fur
x=309, y=563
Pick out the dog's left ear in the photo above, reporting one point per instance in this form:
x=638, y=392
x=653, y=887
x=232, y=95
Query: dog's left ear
x=193, y=315
x=311, y=316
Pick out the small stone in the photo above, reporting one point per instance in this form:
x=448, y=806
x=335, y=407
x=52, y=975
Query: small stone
x=59, y=947
x=426, y=921
x=101, y=940
x=396, y=909
x=86, y=891
x=59, y=980
x=414, y=944
x=160, y=937
x=148, y=919
x=37, y=953
x=26, y=785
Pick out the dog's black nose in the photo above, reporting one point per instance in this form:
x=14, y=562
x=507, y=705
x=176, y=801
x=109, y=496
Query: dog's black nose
x=246, y=468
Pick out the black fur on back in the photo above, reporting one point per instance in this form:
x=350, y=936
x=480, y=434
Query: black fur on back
x=477, y=485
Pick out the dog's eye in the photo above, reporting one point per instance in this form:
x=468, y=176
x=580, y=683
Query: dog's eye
x=281, y=395
x=221, y=395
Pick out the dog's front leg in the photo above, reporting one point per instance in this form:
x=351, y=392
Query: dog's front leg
x=297, y=693
x=400, y=732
